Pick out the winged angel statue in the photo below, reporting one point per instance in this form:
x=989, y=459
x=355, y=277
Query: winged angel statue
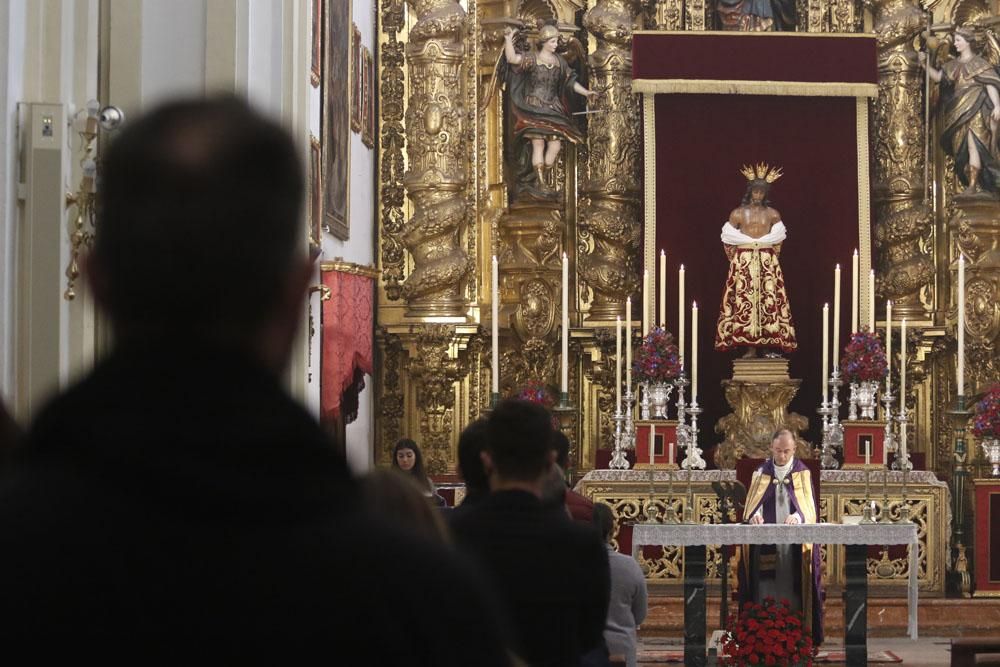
x=539, y=113
x=968, y=107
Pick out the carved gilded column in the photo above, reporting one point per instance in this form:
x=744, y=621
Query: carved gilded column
x=903, y=221
x=610, y=217
x=438, y=161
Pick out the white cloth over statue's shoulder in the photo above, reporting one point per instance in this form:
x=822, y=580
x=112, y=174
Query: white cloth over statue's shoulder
x=733, y=236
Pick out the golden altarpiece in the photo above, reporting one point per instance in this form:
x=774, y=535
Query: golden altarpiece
x=444, y=208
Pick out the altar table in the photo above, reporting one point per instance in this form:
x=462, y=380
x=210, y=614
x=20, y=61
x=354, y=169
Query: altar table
x=694, y=538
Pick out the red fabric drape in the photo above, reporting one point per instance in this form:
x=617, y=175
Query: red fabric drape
x=346, y=343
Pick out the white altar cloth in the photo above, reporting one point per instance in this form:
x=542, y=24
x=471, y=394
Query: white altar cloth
x=681, y=535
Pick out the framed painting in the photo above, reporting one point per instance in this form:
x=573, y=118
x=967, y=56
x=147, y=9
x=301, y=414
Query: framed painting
x=335, y=118
x=357, y=79
x=368, y=98
x=317, y=43
x=315, y=192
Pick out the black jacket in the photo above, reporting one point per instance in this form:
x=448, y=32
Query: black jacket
x=177, y=503
x=550, y=573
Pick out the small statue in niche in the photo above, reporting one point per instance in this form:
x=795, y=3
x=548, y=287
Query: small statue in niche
x=968, y=112
x=756, y=15
x=539, y=110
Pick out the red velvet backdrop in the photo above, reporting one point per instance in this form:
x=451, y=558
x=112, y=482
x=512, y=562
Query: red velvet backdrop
x=702, y=140
x=346, y=344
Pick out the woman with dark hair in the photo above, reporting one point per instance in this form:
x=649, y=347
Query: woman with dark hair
x=406, y=458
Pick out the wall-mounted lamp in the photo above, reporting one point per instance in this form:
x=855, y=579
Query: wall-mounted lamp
x=109, y=118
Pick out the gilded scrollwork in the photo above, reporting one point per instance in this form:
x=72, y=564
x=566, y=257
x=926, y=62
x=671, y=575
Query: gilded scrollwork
x=610, y=215
x=437, y=178
x=434, y=368
x=392, y=399
x=759, y=409
x=392, y=141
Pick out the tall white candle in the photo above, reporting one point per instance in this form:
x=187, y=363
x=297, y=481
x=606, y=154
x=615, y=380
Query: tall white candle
x=628, y=342
x=826, y=351
x=868, y=452
x=670, y=452
x=663, y=289
x=694, y=352
x=836, y=318
x=618, y=365
x=652, y=443
x=902, y=367
x=680, y=313
x=888, y=345
x=854, y=292
x=495, y=326
x=961, y=325
x=645, y=302
x=871, y=301
x=564, y=381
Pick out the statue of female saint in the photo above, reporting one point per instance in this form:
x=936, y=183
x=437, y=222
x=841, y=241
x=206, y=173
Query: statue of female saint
x=539, y=115
x=755, y=311
x=969, y=113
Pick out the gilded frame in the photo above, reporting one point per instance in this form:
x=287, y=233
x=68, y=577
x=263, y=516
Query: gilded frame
x=357, y=80
x=367, y=97
x=316, y=65
x=335, y=115
x=315, y=192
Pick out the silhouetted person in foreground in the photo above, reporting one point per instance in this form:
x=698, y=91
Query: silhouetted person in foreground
x=177, y=503
x=550, y=572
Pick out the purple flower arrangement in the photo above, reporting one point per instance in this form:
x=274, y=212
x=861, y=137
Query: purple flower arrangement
x=657, y=359
x=536, y=392
x=987, y=421
x=864, y=358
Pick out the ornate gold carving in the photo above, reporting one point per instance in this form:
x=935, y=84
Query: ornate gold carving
x=392, y=163
x=609, y=222
x=903, y=221
x=668, y=14
x=759, y=409
x=694, y=15
x=392, y=400
x=435, y=367
x=438, y=161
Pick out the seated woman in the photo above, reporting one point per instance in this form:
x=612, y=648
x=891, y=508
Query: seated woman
x=406, y=458
x=627, y=607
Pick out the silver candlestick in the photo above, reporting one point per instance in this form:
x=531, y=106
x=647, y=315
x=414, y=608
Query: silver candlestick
x=618, y=459
x=834, y=436
x=693, y=458
x=828, y=459
x=902, y=460
x=889, y=439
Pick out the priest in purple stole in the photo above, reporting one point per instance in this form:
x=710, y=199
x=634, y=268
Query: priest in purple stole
x=782, y=491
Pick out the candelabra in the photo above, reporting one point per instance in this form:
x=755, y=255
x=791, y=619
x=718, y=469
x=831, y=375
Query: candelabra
x=889, y=441
x=904, y=509
x=689, y=501
x=651, y=510
x=884, y=516
x=618, y=459
x=833, y=431
x=959, y=416
x=693, y=458
x=902, y=460
x=866, y=508
x=670, y=514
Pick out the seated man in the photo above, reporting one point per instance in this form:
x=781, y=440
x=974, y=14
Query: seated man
x=782, y=491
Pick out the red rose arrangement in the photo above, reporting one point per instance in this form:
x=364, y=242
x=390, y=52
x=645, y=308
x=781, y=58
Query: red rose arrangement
x=767, y=634
x=864, y=358
x=536, y=392
x=987, y=421
x=657, y=359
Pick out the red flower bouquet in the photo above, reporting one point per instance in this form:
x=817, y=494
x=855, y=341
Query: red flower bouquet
x=767, y=634
x=536, y=392
x=987, y=421
x=864, y=358
x=657, y=359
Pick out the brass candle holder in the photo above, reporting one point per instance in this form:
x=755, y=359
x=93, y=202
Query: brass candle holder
x=670, y=514
x=689, y=502
x=866, y=509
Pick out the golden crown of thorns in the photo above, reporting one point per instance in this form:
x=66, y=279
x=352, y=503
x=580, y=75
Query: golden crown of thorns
x=761, y=172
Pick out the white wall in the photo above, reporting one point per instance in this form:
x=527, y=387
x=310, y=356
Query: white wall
x=359, y=248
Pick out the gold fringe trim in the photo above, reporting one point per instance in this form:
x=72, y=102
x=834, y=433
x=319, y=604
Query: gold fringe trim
x=729, y=87
x=649, y=153
x=349, y=267
x=734, y=33
x=864, y=211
